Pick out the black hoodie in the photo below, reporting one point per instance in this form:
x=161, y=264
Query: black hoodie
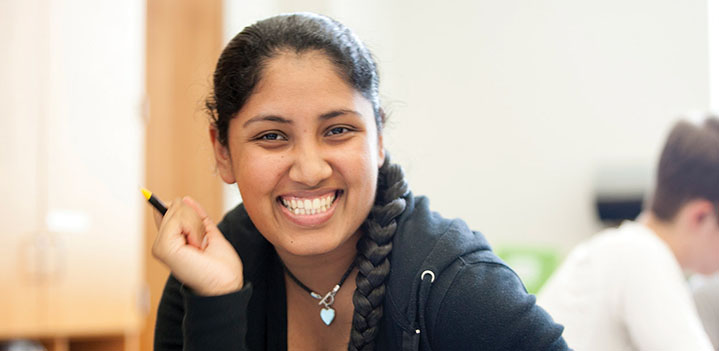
x=446, y=291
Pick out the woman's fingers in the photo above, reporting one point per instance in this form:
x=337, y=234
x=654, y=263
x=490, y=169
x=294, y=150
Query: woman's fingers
x=217, y=246
x=196, y=234
x=180, y=226
x=196, y=206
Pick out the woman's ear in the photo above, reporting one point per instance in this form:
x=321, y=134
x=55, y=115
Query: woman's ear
x=222, y=157
x=380, y=141
x=380, y=148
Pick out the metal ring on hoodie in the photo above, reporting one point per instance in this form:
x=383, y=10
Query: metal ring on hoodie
x=431, y=275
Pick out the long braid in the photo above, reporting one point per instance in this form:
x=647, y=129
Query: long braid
x=373, y=251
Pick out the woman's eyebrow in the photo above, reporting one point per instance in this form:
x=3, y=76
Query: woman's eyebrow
x=340, y=112
x=268, y=118
x=279, y=119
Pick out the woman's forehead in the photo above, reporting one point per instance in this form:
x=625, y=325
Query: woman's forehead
x=300, y=84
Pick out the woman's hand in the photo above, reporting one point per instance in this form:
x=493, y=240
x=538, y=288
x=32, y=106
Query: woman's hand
x=196, y=252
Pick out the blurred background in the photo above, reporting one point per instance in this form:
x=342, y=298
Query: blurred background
x=537, y=122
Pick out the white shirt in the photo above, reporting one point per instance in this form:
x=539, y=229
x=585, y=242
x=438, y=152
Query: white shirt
x=706, y=298
x=624, y=290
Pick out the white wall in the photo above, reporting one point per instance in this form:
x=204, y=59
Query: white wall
x=503, y=112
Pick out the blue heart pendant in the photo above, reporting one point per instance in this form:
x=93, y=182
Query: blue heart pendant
x=327, y=315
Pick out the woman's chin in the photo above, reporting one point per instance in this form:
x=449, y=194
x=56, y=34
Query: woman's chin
x=309, y=247
x=316, y=244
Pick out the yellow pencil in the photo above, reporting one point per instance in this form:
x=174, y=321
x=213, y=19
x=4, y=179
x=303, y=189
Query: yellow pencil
x=154, y=201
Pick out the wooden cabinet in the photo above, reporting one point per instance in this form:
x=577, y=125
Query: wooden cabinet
x=71, y=162
x=184, y=40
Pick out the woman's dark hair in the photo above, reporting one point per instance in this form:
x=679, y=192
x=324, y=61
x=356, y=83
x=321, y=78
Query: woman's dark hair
x=688, y=168
x=373, y=251
x=240, y=68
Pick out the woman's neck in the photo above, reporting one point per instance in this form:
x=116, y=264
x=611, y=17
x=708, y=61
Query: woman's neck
x=321, y=272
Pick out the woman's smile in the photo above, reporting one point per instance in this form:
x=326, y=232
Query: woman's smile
x=309, y=210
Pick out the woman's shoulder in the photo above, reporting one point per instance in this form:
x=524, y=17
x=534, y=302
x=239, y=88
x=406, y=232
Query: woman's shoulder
x=427, y=244
x=446, y=281
x=425, y=238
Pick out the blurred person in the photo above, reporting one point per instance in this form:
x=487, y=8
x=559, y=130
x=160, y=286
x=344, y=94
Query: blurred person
x=329, y=250
x=624, y=289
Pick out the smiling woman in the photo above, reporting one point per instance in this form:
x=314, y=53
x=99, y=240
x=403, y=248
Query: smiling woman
x=330, y=250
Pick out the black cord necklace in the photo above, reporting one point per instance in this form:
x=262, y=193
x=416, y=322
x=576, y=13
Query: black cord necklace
x=327, y=313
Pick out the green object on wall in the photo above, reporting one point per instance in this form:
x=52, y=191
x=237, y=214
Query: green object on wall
x=534, y=265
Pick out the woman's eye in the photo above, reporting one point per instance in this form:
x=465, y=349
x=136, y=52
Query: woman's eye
x=272, y=136
x=337, y=130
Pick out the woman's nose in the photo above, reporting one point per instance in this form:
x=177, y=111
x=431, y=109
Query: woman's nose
x=309, y=167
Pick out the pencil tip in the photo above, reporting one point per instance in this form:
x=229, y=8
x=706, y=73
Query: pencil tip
x=146, y=193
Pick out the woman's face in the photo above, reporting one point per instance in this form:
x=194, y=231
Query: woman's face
x=305, y=152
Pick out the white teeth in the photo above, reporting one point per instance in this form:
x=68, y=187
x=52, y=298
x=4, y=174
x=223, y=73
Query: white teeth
x=307, y=206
